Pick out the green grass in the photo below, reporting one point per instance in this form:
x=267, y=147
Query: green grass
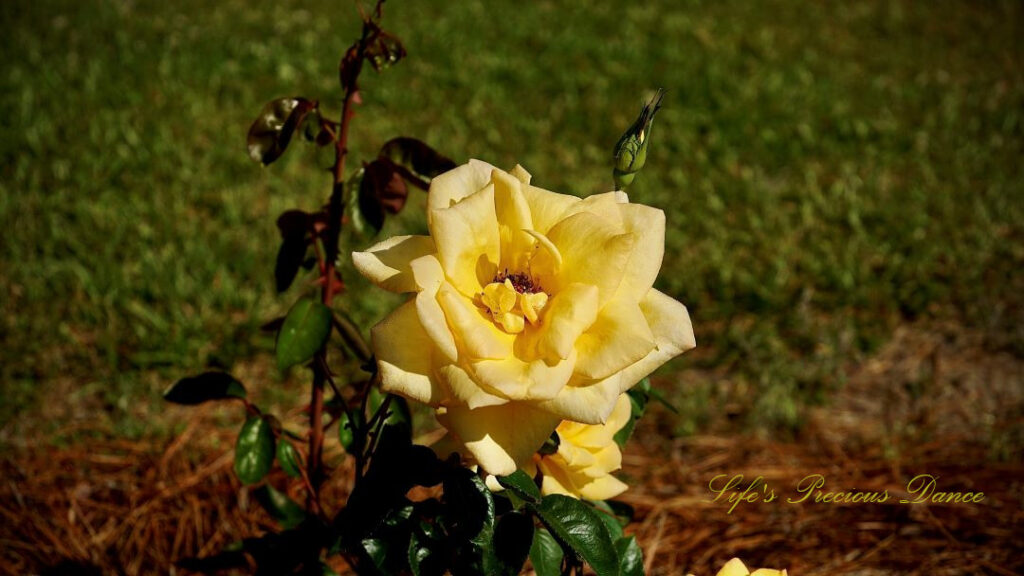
x=829, y=171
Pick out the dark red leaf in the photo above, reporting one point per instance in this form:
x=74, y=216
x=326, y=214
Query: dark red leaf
x=272, y=130
x=383, y=190
x=294, y=223
x=416, y=156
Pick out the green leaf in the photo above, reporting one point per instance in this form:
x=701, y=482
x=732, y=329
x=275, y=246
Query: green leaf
x=204, y=387
x=607, y=515
x=306, y=327
x=579, y=526
x=376, y=550
x=272, y=130
x=546, y=554
x=417, y=554
x=624, y=512
x=470, y=504
x=522, y=485
x=422, y=560
x=254, y=450
x=660, y=397
x=638, y=398
x=631, y=557
x=280, y=506
x=288, y=458
x=513, y=536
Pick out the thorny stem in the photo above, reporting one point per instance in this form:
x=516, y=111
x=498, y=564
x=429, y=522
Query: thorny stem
x=350, y=334
x=314, y=468
x=376, y=425
x=361, y=432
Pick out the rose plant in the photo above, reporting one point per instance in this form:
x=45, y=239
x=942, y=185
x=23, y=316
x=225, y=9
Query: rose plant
x=530, y=328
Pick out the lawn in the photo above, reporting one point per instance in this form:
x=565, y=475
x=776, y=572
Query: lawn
x=830, y=171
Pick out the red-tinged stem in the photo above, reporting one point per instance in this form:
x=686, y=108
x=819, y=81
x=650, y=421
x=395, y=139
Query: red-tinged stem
x=315, y=470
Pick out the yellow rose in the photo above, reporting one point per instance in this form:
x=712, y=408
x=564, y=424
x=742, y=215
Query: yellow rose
x=586, y=457
x=736, y=568
x=529, y=308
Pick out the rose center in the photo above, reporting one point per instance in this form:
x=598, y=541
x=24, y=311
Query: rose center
x=513, y=300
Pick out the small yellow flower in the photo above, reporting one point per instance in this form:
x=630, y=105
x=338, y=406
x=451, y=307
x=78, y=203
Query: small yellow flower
x=528, y=308
x=735, y=567
x=586, y=457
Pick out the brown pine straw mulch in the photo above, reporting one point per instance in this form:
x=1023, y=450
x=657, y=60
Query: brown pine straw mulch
x=124, y=508
x=118, y=507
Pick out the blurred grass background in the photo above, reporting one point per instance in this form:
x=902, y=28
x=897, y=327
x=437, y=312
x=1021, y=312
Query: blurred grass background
x=830, y=171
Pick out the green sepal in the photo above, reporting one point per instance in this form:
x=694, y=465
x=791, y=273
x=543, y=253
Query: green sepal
x=631, y=149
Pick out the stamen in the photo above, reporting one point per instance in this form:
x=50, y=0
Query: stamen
x=512, y=300
x=521, y=281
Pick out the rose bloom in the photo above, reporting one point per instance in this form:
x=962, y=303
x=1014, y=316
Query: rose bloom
x=735, y=567
x=586, y=457
x=529, y=308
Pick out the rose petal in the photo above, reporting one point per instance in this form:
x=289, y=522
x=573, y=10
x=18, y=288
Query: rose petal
x=618, y=338
x=404, y=354
x=449, y=188
x=558, y=480
x=464, y=389
x=565, y=317
x=648, y=226
x=606, y=461
x=478, y=336
x=585, y=402
x=520, y=173
x=499, y=437
x=593, y=252
x=555, y=479
x=513, y=219
x=601, y=435
x=673, y=333
x=733, y=567
x=606, y=205
x=520, y=380
x=467, y=240
x=603, y=488
x=546, y=207
x=386, y=264
x=429, y=277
